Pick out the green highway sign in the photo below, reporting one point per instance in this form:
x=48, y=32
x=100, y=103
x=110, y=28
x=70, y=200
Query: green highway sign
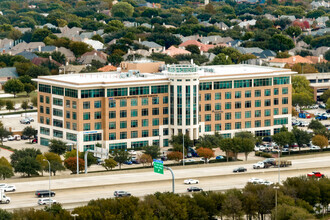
x=158, y=166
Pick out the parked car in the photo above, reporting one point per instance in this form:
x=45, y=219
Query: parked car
x=256, y=180
x=121, y=194
x=205, y=160
x=10, y=138
x=321, y=105
x=4, y=139
x=30, y=119
x=315, y=174
x=9, y=188
x=189, y=155
x=46, y=201
x=315, y=147
x=219, y=157
x=239, y=169
x=303, y=124
x=44, y=193
x=128, y=162
x=164, y=158
x=24, y=137
x=2, y=185
x=17, y=137
x=321, y=117
x=100, y=161
x=191, y=181
x=267, y=183
x=194, y=189
x=24, y=121
x=35, y=141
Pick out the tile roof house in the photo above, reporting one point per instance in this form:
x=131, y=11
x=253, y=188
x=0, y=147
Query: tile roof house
x=202, y=47
x=71, y=69
x=27, y=55
x=40, y=60
x=87, y=57
x=173, y=51
x=107, y=68
x=247, y=24
x=265, y=54
x=7, y=73
x=97, y=45
x=153, y=47
x=23, y=46
x=290, y=17
x=281, y=62
x=316, y=60
x=317, y=4
x=23, y=30
x=142, y=52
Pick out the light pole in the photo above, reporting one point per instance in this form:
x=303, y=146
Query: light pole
x=49, y=182
x=74, y=216
x=182, y=148
x=276, y=188
x=279, y=165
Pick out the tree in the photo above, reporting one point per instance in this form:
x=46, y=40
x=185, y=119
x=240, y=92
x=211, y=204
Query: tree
x=210, y=141
x=321, y=141
x=226, y=146
x=302, y=99
x=175, y=155
x=79, y=48
x=41, y=160
x=28, y=88
x=280, y=42
x=283, y=55
x=58, y=56
x=29, y=131
x=232, y=204
x=153, y=151
x=13, y=86
x=176, y=141
x=71, y=164
x=6, y=170
x=120, y=156
x=35, y=71
x=193, y=49
x=109, y=164
x=25, y=105
x=302, y=68
x=293, y=31
x=24, y=161
x=2, y=103
x=3, y=133
x=5, y=215
x=145, y=158
x=302, y=137
x=40, y=34
x=115, y=59
x=98, y=38
x=315, y=125
x=55, y=162
x=9, y=105
x=247, y=146
x=221, y=59
x=57, y=146
x=326, y=95
x=283, y=138
x=122, y=9
x=206, y=153
x=327, y=55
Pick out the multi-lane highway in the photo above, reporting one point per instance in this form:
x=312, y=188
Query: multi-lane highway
x=75, y=190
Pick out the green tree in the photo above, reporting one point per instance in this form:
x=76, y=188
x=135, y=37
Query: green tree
x=315, y=125
x=5, y=215
x=153, y=151
x=232, y=204
x=25, y=105
x=321, y=141
x=9, y=105
x=115, y=59
x=35, y=71
x=41, y=160
x=176, y=141
x=55, y=163
x=2, y=103
x=58, y=56
x=122, y=9
x=283, y=138
x=302, y=137
x=3, y=133
x=327, y=55
x=40, y=34
x=6, y=170
x=226, y=146
x=283, y=55
x=326, y=95
x=209, y=141
x=280, y=42
x=247, y=146
x=13, y=86
x=79, y=48
x=34, y=101
x=28, y=88
x=98, y=38
x=302, y=99
x=293, y=31
x=285, y=212
x=24, y=161
x=29, y=131
x=120, y=156
x=221, y=59
x=57, y=146
x=193, y=49
x=109, y=164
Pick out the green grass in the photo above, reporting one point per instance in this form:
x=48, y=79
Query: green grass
x=18, y=112
x=20, y=97
x=6, y=147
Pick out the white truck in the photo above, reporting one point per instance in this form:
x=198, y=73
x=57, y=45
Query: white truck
x=3, y=197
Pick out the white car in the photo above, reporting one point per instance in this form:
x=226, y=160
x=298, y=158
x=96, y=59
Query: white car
x=4, y=139
x=315, y=147
x=191, y=181
x=256, y=180
x=203, y=159
x=2, y=185
x=303, y=123
x=10, y=138
x=30, y=119
x=46, y=201
x=9, y=188
x=258, y=165
x=267, y=183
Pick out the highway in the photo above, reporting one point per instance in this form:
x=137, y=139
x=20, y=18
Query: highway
x=72, y=191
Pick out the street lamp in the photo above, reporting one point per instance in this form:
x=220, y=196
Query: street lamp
x=74, y=216
x=276, y=188
x=182, y=148
x=49, y=182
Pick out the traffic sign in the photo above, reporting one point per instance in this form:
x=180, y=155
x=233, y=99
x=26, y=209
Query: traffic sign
x=158, y=166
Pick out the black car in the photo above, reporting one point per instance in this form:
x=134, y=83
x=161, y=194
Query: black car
x=24, y=137
x=239, y=169
x=44, y=193
x=194, y=189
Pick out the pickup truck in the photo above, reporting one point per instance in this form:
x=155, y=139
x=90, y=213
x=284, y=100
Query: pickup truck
x=270, y=162
x=260, y=165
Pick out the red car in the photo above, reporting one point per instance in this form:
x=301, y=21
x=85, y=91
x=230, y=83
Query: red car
x=316, y=174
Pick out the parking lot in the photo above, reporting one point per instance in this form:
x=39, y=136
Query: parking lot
x=12, y=122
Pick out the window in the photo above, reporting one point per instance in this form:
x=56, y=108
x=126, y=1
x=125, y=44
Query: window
x=243, y=83
x=155, y=132
x=165, y=131
x=144, y=112
x=257, y=93
x=67, y=103
x=281, y=80
x=123, y=103
x=228, y=95
x=145, y=133
x=165, y=99
x=87, y=126
x=155, y=122
x=285, y=90
x=238, y=125
x=275, y=111
x=238, y=94
x=207, y=97
x=262, y=82
x=134, y=123
x=97, y=126
x=112, y=125
x=267, y=123
x=74, y=104
x=123, y=135
x=57, y=123
x=118, y=146
x=267, y=92
x=68, y=114
x=285, y=100
x=207, y=128
x=86, y=105
x=117, y=92
x=71, y=137
x=57, y=101
x=74, y=126
x=248, y=104
x=267, y=112
x=247, y=124
x=73, y=93
x=134, y=113
x=134, y=134
x=144, y=101
x=217, y=106
x=248, y=114
x=68, y=125
x=57, y=90
x=112, y=114
x=228, y=116
x=223, y=85
x=228, y=126
x=97, y=104
x=276, y=91
x=159, y=89
x=207, y=107
x=257, y=124
x=155, y=111
x=74, y=115
x=228, y=105
x=44, y=88
x=145, y=122
x=57, y=112
x=58, y=134
x=268, y=102
x=257, y=113
x=238, y=105
x=123, y=124
x=112, y=103
x=92, y=93
x=218, y=127
x=112, y=136
x=217, y=116
x=47, y=110
x=280, y=121
x=155, y=100
x=123, y=113
x=41, y=99
x=165, y=110
x=257, y=103
x=97, y=115
x=45, y=131
x=238, y=115
x=217, y=96
x=248, y=94
x=207, y=117
x=41, y=119
x=205, y=86
x=275, y=101
x=134, y=102
x=142, y=90
x=285, y=110
x=87, y=116
x=165, y=121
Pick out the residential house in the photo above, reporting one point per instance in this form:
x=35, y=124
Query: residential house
x=89, y=35
x=173, y=51
x=147, y=25
x=130, y=24
x=71, y=69
x=205, y=24
x=142, y=52
x=247, y=24
x=6, y=74
x=107, y=68
x=23, y=46
x=71, y=33
x=222, y=26
x=321, y=21
x=27, y=55
x=45, y=49
x=270, y=17
x=317, y=4
x=292, y=18
x=281, y=62
x=97, y=45
x=168, y=26
x=40, y=60
x=202, y=47
x=69, y=55
x=23, y=30
x=210, y=56
x=153, y=47
x=316, y=60
x=320, y=51
x=216, y=40
x=234, y=43
x=88, y=57
x=249, y=50
x=48, y=25
x=6, y=44
x=265, y=55
x=320, y=32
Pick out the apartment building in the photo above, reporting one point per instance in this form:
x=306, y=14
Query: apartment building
x=130, y=110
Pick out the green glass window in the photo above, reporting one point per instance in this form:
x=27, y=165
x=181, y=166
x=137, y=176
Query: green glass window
x=145, y=122
x=74, y=104
x=217, y=96
x=285, y=110
x=112, y=136
x=112, y=103
x=262, y=82
x=257, y=124
x=155, y=132
x=73, y=93
x=87, y=116
x=97, y=104
x=207, y=128
x=257, y=113
x=238, y=125
x=144, y=112
x=112, y=114
x=123, y=124
x=87, y=126
x=217, y=116
x=112, y=125
x=134, y=123
x=228, y=116
x=145, y=133
x=47, y=110
x=142, y=90
x=97, y=126
x=257, y=93
x=159, y=89
x=155, y=122
x=134, y=134
x=248, y=104
x=41, y=109
x=280, y=121
x=208, y=117
x=238, y=94
x=267, y=92
x=134, y=102
x=92, y=93
x=217, y=106
x=257, y=103
x=123, y=135
x=47, y=99
x=281, y=80
x=238, y=105
x=285, y=100
x=248, y=114
x=41, y=99
x=117, y=92
x=97, y=115
x=74, y=115
x=71, y=137
x=267, y=112
x=58, y=102
x=248, y=124
x=165, y=99
x=275, y=111
x=145, y=101
x=86, y=105
x=57, y=112
x=123, y=113
x=223, y=85
x=218, y=127
x=228, y=105
x=243, y=83
x=155, y=111
x=155, y=100
x=207, y=107
x=275, y=101
x=267, y=123
x=268, y=102
x=228, y=95
x=57, y=90
x=44, y=88
x=285, y=90
x=238, y=115
x=165, y=121
x=123, y=103
x=248, y=94
x=207, y=97
x=205, y=86
x=228, y=126
x=276, y=91
x=134, y=113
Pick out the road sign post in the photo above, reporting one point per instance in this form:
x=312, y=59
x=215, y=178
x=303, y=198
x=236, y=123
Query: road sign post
x=158, y=166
